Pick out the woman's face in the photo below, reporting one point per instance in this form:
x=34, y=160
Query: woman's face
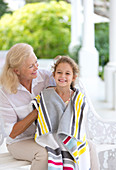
x=28, y=70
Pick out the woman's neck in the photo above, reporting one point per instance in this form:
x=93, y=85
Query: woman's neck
x=27, y=84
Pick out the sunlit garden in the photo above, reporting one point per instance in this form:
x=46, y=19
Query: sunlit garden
x=47, y=27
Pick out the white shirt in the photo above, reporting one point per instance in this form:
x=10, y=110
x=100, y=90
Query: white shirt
x=15, y=107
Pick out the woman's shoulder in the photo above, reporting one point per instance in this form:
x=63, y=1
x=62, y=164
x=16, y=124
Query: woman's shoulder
x=3, y=96
x=46, y=77
x=44, y=72
x=2, y=91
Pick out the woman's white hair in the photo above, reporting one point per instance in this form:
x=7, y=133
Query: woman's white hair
x=14, y=59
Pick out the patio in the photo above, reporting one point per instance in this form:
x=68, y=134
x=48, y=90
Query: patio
x=95, y=88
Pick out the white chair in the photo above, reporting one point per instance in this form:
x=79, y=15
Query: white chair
x=101, y=135
x=7, y=162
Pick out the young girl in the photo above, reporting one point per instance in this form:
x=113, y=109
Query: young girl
x=60, y=123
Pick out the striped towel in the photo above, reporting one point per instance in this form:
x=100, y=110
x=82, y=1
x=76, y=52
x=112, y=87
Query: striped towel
x=67, y=146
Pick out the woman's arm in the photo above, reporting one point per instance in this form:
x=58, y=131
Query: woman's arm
x=22, y=125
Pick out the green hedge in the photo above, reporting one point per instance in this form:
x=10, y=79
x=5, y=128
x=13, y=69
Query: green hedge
x=45, y=26
x=102, y=45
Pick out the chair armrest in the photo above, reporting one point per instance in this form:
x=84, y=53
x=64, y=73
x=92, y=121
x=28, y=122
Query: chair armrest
x=99, y=130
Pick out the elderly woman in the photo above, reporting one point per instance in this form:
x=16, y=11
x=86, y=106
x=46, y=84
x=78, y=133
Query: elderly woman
x=20, y=82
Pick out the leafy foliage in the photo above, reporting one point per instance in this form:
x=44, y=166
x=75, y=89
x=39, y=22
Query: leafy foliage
x=102, y=44
x=45, y=26
x=32, y=1
x=3, y=8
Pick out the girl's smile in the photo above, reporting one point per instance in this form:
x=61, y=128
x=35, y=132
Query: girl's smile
x=64, y=75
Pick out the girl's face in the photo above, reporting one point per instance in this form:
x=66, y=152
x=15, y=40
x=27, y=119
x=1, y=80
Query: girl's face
x=64, y=75
x=28, y=70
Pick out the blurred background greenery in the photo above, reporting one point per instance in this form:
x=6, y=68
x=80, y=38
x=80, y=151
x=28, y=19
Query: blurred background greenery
x=47, y=27
x=4, y=8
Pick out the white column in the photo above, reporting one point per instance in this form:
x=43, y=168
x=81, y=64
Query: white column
x=88, y=55
x=114, y=88
x=15, y=4
x=110, y=68
x=76, y=24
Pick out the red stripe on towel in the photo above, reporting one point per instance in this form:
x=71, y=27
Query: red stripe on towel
x=67, y=139
x=55, y=163
x=67, y=168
